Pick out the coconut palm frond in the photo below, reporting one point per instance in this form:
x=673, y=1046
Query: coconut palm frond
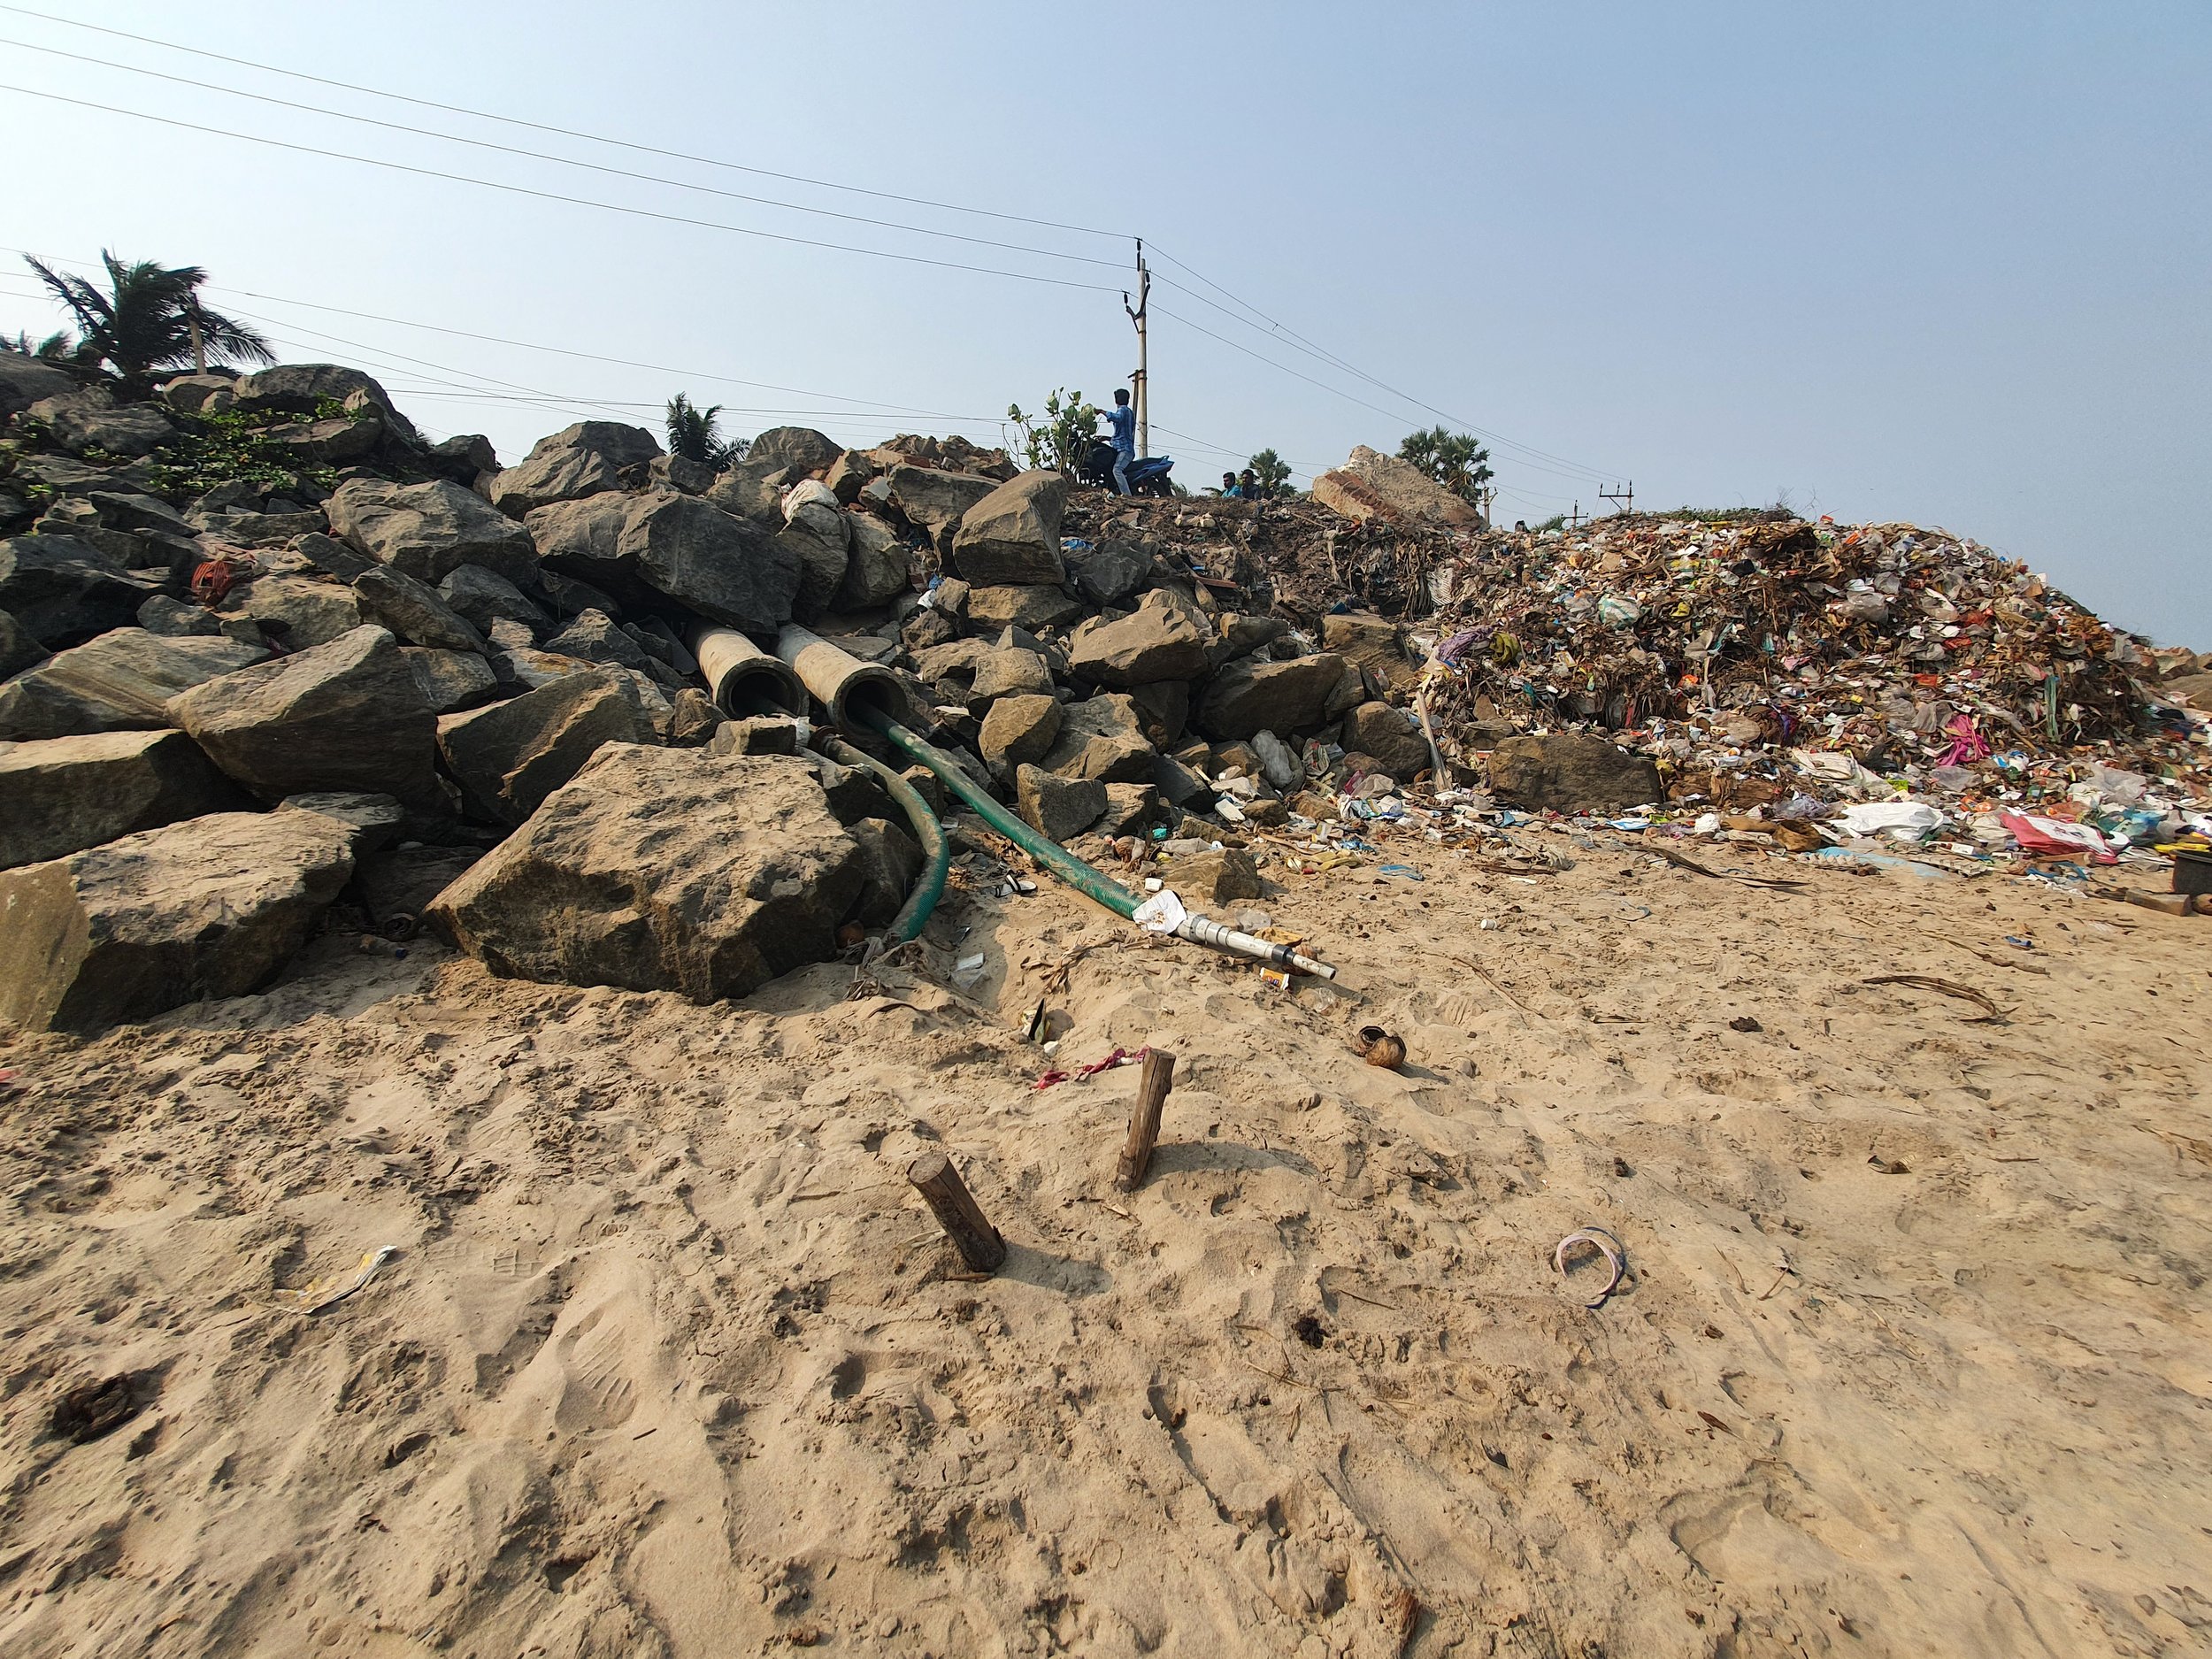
x=692, y=435
x=143, y=324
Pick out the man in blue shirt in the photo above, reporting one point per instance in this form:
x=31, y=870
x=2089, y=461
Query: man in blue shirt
x=1123, y=420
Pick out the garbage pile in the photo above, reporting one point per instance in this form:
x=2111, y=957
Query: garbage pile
x=1818, y=686
x=1891, y=642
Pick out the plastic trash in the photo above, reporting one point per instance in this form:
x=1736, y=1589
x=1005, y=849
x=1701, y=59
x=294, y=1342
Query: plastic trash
x=1883, y=861
x=2055, y=838
x=1162, y=913
x=1618, y=610
x=1901, y=820
x=1602, y=1242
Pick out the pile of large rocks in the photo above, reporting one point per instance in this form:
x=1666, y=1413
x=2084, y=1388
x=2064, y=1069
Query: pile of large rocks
x=232, y=698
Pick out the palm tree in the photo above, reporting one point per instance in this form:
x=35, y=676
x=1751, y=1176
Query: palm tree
x=1454, y=459
x=143, y=324
x=692, y=435
x=56, y=344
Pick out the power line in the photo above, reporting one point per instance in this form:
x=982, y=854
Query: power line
x=564, y=161
x=1298, y=342
x=460, y=390
x=542, y=400
x=1275, y=328
x=593, y=357
x=539, y=399
x=566, y=351
x=1289, y=336
x=556, y=196
x=473, y=396
x=565, y=132
x=548, y=400
x=557, y=403
x=1334, y=390
x=1310, y=472
x=522, y=393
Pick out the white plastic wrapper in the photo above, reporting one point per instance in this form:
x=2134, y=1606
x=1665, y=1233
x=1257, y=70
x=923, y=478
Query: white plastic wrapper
x=805, y=492
x=1906, y=820
x=1162, y=913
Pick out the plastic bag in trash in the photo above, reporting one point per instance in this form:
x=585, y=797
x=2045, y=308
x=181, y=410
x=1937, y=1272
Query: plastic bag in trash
x=1905, y=821
x=2050, y=837
x=2124, y=788
x=1162, y=913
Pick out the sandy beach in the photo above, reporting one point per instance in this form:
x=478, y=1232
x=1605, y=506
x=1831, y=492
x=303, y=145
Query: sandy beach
x=669, y=1359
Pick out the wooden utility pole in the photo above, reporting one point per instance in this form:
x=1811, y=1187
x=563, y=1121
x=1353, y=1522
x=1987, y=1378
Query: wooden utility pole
x=1141, y=389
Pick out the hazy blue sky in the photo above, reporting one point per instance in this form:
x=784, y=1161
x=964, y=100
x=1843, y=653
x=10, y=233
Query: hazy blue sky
x=1945, y=263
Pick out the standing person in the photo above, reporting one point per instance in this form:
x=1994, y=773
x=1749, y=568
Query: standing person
x=1123, y=420
x=1248, y=485
x=1228, y=483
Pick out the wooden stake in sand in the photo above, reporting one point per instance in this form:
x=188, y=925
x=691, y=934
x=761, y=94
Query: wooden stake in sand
x=957, y=1212
x=1144, y=1122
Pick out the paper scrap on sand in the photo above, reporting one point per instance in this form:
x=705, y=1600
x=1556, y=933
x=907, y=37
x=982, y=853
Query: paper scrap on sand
x=334, y=1288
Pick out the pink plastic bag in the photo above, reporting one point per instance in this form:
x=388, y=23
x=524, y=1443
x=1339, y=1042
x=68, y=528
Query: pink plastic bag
x=2054, y=838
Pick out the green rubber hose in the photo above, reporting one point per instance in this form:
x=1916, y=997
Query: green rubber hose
x=937, y=851
x=1090, y=882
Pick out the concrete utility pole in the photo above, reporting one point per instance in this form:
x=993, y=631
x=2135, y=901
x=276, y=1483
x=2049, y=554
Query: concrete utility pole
x=1574, y=518
x=199, y=350
x=1140, y=382
x=1626, y=496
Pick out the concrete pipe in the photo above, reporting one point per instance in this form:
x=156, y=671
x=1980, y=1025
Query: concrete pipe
x=744, y=679
x=850, y=690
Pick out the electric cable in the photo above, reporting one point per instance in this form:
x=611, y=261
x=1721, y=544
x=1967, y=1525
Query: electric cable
x=566, y=352
x=1333, y=390
x=556, y=196
x=563, y=161
x=1274, y=327
x=565, y=132
x=1299, y=342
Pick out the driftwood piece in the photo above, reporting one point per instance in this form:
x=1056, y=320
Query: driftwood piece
x=1990, y=1014
x=1682, y=861
x=1144, y=1122
x=957, y=1212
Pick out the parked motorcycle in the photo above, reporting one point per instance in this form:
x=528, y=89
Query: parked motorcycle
x=1094, y=466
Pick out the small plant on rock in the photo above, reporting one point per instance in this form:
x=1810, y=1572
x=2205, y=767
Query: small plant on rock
x=218, y=448
x=1055, y=442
